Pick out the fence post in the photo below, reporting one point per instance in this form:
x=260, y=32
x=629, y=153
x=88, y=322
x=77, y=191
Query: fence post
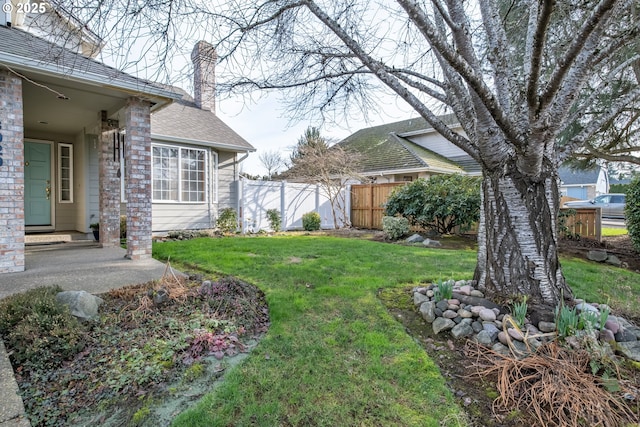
x=283, y=212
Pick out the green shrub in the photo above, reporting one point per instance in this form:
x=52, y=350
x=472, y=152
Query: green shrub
x=395, y=227
x=38, y=331
x=632, y=212
x=274, y=219
x=227, y=220
x=441, y=203
x=311, y=221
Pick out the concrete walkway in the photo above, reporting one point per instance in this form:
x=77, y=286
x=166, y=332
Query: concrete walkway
x=73, y=266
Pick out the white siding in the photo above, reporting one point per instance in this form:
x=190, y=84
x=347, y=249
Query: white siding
x=177, y=216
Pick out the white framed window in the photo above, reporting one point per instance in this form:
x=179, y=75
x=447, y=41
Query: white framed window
x=179, y=174
x=65, y=173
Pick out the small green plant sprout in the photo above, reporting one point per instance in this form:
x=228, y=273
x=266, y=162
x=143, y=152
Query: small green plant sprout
x=443, y=290
x=519, y=311
x=567, y=320
x=604, y=315
x=588, y=320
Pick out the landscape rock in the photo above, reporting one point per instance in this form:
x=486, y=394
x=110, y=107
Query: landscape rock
x=625, y=335
x=500, y=349
x=491, y=329
x=449, y=314
x=461, y=330
x=427, y=310
x=465, y=314
x=476, y=293
x=613, y=260
x=416, y=238
x=465, y=290
x=515, y=334
x=419, y=298
x=487, y=315
x=431, y=243
x=81, y=303
x=612, y=325
x=630, y=350
x=598, y=256
x=606, y=335
x=546, y=326
x=484, y=338
x=477, y=327
x=503, y=337
x=442, y=324
x=442, y=305
x=583, y=306
x=471, y=300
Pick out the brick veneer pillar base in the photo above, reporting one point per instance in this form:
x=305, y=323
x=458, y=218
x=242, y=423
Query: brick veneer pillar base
x=11, y=174
x=109, y=187
x=138, y=187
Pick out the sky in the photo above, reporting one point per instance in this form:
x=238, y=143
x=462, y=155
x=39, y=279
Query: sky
x=264, y=125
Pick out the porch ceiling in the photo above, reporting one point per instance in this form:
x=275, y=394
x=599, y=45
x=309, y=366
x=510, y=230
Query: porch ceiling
x=53, y=105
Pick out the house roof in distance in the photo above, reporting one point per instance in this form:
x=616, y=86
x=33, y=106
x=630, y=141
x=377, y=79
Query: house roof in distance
x=184, y=122
x=570, y=176
x=388, y=147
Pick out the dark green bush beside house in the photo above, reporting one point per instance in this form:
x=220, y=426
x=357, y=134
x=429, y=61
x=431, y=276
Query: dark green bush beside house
x=441, y=203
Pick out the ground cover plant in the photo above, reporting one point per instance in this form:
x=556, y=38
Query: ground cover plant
x=152, y=343
x=333, y=355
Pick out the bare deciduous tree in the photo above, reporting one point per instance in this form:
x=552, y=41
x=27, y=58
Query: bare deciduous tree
x=272, y=161
x=329, y=167
x=526, y=80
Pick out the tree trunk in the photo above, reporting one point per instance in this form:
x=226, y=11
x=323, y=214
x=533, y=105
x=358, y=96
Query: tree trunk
x=518, y=239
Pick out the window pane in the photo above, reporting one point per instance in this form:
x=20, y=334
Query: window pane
x=165, y=173
x=193, y=175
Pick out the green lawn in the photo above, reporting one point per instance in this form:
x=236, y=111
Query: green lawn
x=333, y=355
x=610, y=231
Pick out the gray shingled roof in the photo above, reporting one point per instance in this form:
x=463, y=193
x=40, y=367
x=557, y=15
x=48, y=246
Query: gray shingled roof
x=23, y=51
x=383, y=148
x=183, y=120
x=570, y=176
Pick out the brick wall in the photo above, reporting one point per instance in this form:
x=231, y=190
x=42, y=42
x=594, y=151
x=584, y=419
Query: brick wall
x=11, y=174
x=109, y=187
x=138, y=186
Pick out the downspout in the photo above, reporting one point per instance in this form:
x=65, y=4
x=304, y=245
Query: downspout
x=240, y=189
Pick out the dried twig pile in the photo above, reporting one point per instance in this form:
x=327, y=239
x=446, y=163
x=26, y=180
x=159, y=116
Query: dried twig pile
x=554, y=384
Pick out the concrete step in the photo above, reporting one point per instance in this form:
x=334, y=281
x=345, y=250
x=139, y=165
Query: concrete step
x=59, y=237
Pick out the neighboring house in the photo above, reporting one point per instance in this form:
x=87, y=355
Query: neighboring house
x=583, y=184
x=408, y=150
x=411, y=149
x=82, y=142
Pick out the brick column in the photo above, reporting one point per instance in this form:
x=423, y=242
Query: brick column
x=138, y=186
x=11, y=174
x=109, y=185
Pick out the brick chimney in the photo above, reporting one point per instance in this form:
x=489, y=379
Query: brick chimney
x=204, y=60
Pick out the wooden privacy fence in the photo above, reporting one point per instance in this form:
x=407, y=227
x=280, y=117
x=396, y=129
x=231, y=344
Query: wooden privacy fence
x=367, y=202
x=367, y=210
x=585, y=224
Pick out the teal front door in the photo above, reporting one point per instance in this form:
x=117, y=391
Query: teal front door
x=37, y=184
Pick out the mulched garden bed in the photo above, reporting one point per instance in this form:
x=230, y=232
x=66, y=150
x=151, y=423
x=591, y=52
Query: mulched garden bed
x=142, y=362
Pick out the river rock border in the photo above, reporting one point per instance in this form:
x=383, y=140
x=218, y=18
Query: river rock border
x=468, y=314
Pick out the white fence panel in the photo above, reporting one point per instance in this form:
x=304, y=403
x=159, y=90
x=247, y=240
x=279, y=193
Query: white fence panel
x=292, y=200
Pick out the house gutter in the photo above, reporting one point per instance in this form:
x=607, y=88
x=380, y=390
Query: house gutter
x=414, y=170
x=175, y=139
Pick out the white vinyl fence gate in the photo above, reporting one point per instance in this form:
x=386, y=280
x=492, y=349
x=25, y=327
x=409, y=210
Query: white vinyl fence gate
x=290, y=199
